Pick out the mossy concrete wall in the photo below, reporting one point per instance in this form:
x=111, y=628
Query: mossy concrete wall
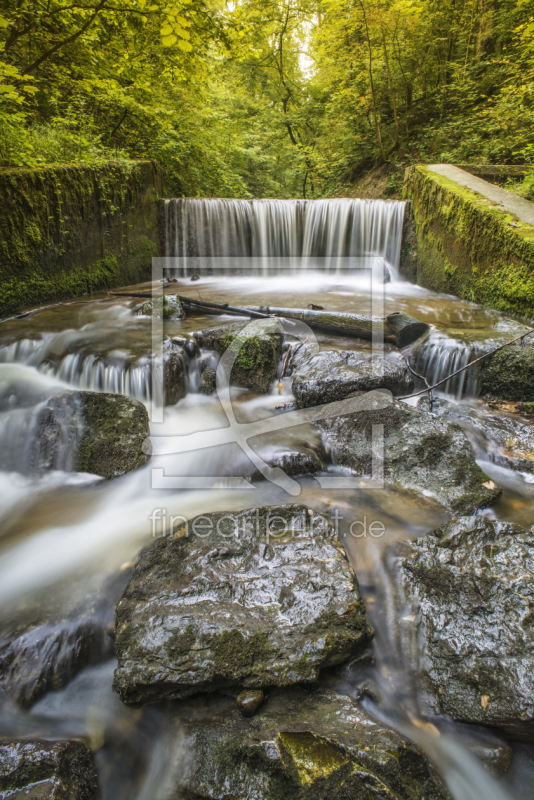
x=466, y=245
x=71, y=230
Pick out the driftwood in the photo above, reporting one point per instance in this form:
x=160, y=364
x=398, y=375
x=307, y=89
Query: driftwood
x=398, y=328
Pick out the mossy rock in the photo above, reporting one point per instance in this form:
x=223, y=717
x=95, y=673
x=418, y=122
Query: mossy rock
x=509, y=374
x=40, y=769
x=251, y=351
x=421, y=452
x=166, y=307
x=226, y=602
x=99, y=433
x=303, y=745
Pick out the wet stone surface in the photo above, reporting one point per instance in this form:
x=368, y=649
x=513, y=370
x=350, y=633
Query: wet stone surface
x=473, y=584
x=102, y=434
x=420, y=451
x=47, y=770
x=509, y=374
x=334, y=374
x=226, y=604
x=253, y=349
x=300, y=745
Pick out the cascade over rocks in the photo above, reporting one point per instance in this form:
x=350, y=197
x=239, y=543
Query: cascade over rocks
x=257, y=346
x=258, y=598
x=473, y=584
x=421, y=452
x=43, y=770
x=334, y=374
x=300, y=744
x=102, y=434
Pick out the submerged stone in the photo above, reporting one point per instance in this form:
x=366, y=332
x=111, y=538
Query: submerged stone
x=253, y=349
x=43, y=770
x=509, y=374
x=473, y=585
x=332, y=375
x=260, y=598
x=302, y=745
x=416, y=450
x=93, y=432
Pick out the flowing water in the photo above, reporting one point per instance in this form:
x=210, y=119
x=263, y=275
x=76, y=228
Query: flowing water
x=68, y=539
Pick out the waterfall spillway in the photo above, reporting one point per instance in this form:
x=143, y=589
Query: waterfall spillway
x=304, y=229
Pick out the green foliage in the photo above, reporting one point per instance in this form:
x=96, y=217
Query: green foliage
x=259, y=98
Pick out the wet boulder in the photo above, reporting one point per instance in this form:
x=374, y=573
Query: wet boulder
x=43, y=770
x=261, y=598
x=412, y=449
x=331, y=375
x=472, y=584
x=46, y=657
x=102, y=434
x=43, y=648
x=300, y=744
x=509, y=374
x=251, y=350
x=175, y=370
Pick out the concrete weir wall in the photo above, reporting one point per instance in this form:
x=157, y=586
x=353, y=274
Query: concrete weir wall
x=71, y=230
x=467, y=237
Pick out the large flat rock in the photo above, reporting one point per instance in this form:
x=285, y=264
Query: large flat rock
x=419, y=451
x=332, y=375
x=224, y=603
x=473, y=585
x=302, y=745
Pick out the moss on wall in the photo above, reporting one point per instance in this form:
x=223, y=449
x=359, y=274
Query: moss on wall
x=469, y=246
x=71, y=230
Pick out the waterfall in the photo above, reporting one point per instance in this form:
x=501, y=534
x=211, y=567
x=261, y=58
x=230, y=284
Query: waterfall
x=303, y=229
x=435, y=359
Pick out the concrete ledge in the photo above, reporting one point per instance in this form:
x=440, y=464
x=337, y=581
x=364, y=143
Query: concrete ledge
x=468, y=244
x=71, y=230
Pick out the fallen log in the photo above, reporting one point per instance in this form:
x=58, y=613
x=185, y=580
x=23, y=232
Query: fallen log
x=397, y=328
x=222, y=308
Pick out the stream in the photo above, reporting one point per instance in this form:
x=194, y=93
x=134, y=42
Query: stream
x=68, y=539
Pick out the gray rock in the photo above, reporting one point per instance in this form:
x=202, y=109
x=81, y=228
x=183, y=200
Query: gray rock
x=175, y=371
x=257, y=346
x=421, y=452
x=45, y=658
x=509, y=374
x=102, y=434
x=47, y=770
x=302, y=745
x=43, y=648
x=334, y=374
x=225, y=604
x=166, y=307
x=473, y=584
